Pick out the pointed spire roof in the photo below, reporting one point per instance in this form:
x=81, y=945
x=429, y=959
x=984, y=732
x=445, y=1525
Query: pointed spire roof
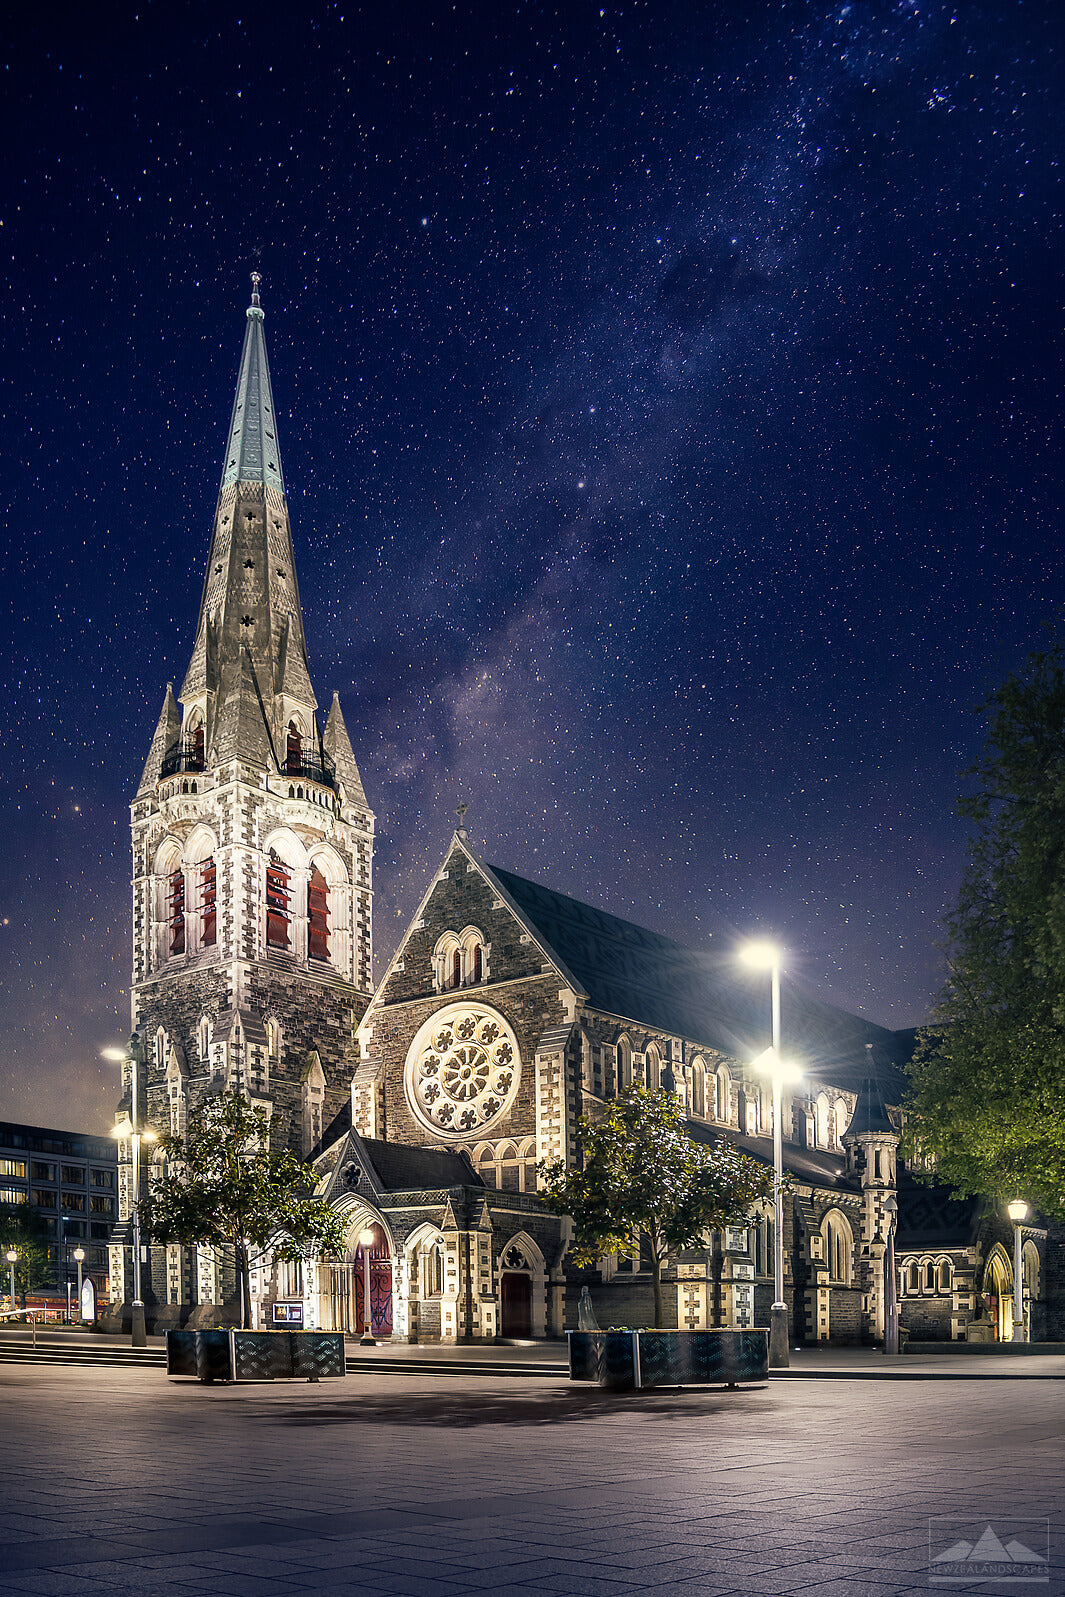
x=336, y=746
x=250, y=646
x=870, y=1117
x=252, y=453
x=167, y=733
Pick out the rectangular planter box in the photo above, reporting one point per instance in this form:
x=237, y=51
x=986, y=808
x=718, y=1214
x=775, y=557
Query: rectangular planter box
x=255, y=1355
x=625, y=1360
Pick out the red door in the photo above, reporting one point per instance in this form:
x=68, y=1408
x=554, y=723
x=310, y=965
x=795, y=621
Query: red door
x=515, y=1304
x=380, y=1286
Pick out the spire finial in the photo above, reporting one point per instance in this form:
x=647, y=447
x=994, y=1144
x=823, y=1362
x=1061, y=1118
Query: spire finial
x=255, y=281
x=460, y=811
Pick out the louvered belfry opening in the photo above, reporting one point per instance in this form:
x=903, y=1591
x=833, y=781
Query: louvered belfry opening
x=294, y=750
x=318, y=916
x=175, y=908
x=209, y=902
x=278, y=902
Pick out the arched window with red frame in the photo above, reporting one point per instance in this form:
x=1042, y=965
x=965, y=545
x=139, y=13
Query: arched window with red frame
x=278, y=902
x=209, y=902
x=175, y=910
x=318, y=916
x=456, y=968
x=476, y=963
x=196, y=748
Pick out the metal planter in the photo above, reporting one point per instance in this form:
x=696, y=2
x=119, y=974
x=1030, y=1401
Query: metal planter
x=630, y=1360
x=255, y=1355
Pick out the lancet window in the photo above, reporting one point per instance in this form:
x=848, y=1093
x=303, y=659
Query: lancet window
x=208, y=903
x=278, y=902
x=318, y=916
x=294, y=750
x=175, y=907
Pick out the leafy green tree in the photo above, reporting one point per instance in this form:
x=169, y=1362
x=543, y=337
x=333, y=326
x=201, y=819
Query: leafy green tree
x=223, y=1187
x=987, y=1098
x=25, y=1230
x=642, y=1175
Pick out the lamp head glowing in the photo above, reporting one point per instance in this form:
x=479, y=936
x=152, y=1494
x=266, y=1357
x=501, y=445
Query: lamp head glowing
x=122, y=1128
x=367, y=1237
x=148, y=1136
x=115, y=1054
x=762, y=956
x=767, y=1064
x=1017, y=1210
x=79, y=1255
x=11, y=1256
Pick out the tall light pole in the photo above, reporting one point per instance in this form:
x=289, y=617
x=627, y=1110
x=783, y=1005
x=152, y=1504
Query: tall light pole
x=766, y=956
x=12, y=1259
x=1018, y=1213
x=79, y=1255
x=366, y=1238
x=130, y=1128
x=891, y=1302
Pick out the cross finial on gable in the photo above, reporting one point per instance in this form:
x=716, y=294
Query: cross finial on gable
x=461, y=811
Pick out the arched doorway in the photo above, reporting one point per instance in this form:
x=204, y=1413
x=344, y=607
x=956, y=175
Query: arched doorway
x=515, y=1303
x=380, y=1261
x=998, y=1294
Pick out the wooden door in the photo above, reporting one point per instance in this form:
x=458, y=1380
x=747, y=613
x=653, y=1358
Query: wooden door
x=515, y=1294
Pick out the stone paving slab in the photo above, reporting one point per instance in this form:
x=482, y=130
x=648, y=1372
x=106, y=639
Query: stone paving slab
x=115, y=1481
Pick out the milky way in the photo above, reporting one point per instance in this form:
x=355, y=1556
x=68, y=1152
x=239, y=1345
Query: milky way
x=669, y=406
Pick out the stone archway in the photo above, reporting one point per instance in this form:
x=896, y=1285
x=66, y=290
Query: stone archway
x=998, y=1294
x=522, y=1289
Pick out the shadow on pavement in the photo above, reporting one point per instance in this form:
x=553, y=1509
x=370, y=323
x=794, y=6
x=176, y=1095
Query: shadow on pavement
x=466, y=1410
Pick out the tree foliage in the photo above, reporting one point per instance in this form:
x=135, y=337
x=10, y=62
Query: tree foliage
x=642, y=1175
x=224, y=1186
x=987, y=1102
x=24, y=1230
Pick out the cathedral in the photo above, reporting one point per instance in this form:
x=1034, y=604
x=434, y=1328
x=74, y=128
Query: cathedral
x=423, y=1104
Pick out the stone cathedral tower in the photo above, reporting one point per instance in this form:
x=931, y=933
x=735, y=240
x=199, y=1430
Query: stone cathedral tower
x=252, y=846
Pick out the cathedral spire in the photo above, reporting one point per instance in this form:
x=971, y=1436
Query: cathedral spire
x=252, y=453
x=249, y=659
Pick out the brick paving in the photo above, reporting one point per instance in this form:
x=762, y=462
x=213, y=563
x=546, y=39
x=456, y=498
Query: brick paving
x=116, y=1480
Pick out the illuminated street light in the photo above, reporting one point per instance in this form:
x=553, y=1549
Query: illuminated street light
x=128, y=1128
x=12, y=1259
x=1018, y=1213
x=766, y=956
x=367, y=1239
x=79, y=1255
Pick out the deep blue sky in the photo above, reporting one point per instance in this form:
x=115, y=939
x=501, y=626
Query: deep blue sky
x=670, y=407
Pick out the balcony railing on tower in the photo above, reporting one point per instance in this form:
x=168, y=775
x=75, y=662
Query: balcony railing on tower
x=304, y=767
x=186, y=756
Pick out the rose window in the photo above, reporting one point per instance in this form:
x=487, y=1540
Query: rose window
x=462, y=1070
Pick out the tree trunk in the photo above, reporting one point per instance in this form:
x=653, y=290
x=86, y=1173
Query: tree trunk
x=245, y=1283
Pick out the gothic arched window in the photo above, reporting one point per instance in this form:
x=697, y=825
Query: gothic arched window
x=209, y=903
x=318, y=916
x=278, y=901
x=839, y=1247
x=476, y=963
x=456, y=968
x=175, y=910
x=698, y=1105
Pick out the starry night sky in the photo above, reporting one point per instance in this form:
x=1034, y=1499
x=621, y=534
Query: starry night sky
x=669, y=403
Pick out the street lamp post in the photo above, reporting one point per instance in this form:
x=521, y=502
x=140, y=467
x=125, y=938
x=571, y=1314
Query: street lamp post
x=366, y=1238
x=79, y=1255
x=129, y=1128
x=891, y=1302
x=1018, y=1213
x=12, y=1259
x=765, y=956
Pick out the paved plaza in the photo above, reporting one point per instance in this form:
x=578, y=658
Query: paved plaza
x=410, y=1485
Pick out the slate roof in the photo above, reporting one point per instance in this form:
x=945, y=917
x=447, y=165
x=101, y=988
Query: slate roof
x=930, y=1216
x=252, y=454
x=806, y=1164
x=403, y=1169
x=649, y=979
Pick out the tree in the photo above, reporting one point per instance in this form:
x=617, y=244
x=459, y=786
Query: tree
x=24, y=1230
x=225, y=1187
x=987, y=1082
x=642, y=1175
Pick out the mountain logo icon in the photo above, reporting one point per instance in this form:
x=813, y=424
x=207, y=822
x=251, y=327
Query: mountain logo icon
x=995, y=1555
